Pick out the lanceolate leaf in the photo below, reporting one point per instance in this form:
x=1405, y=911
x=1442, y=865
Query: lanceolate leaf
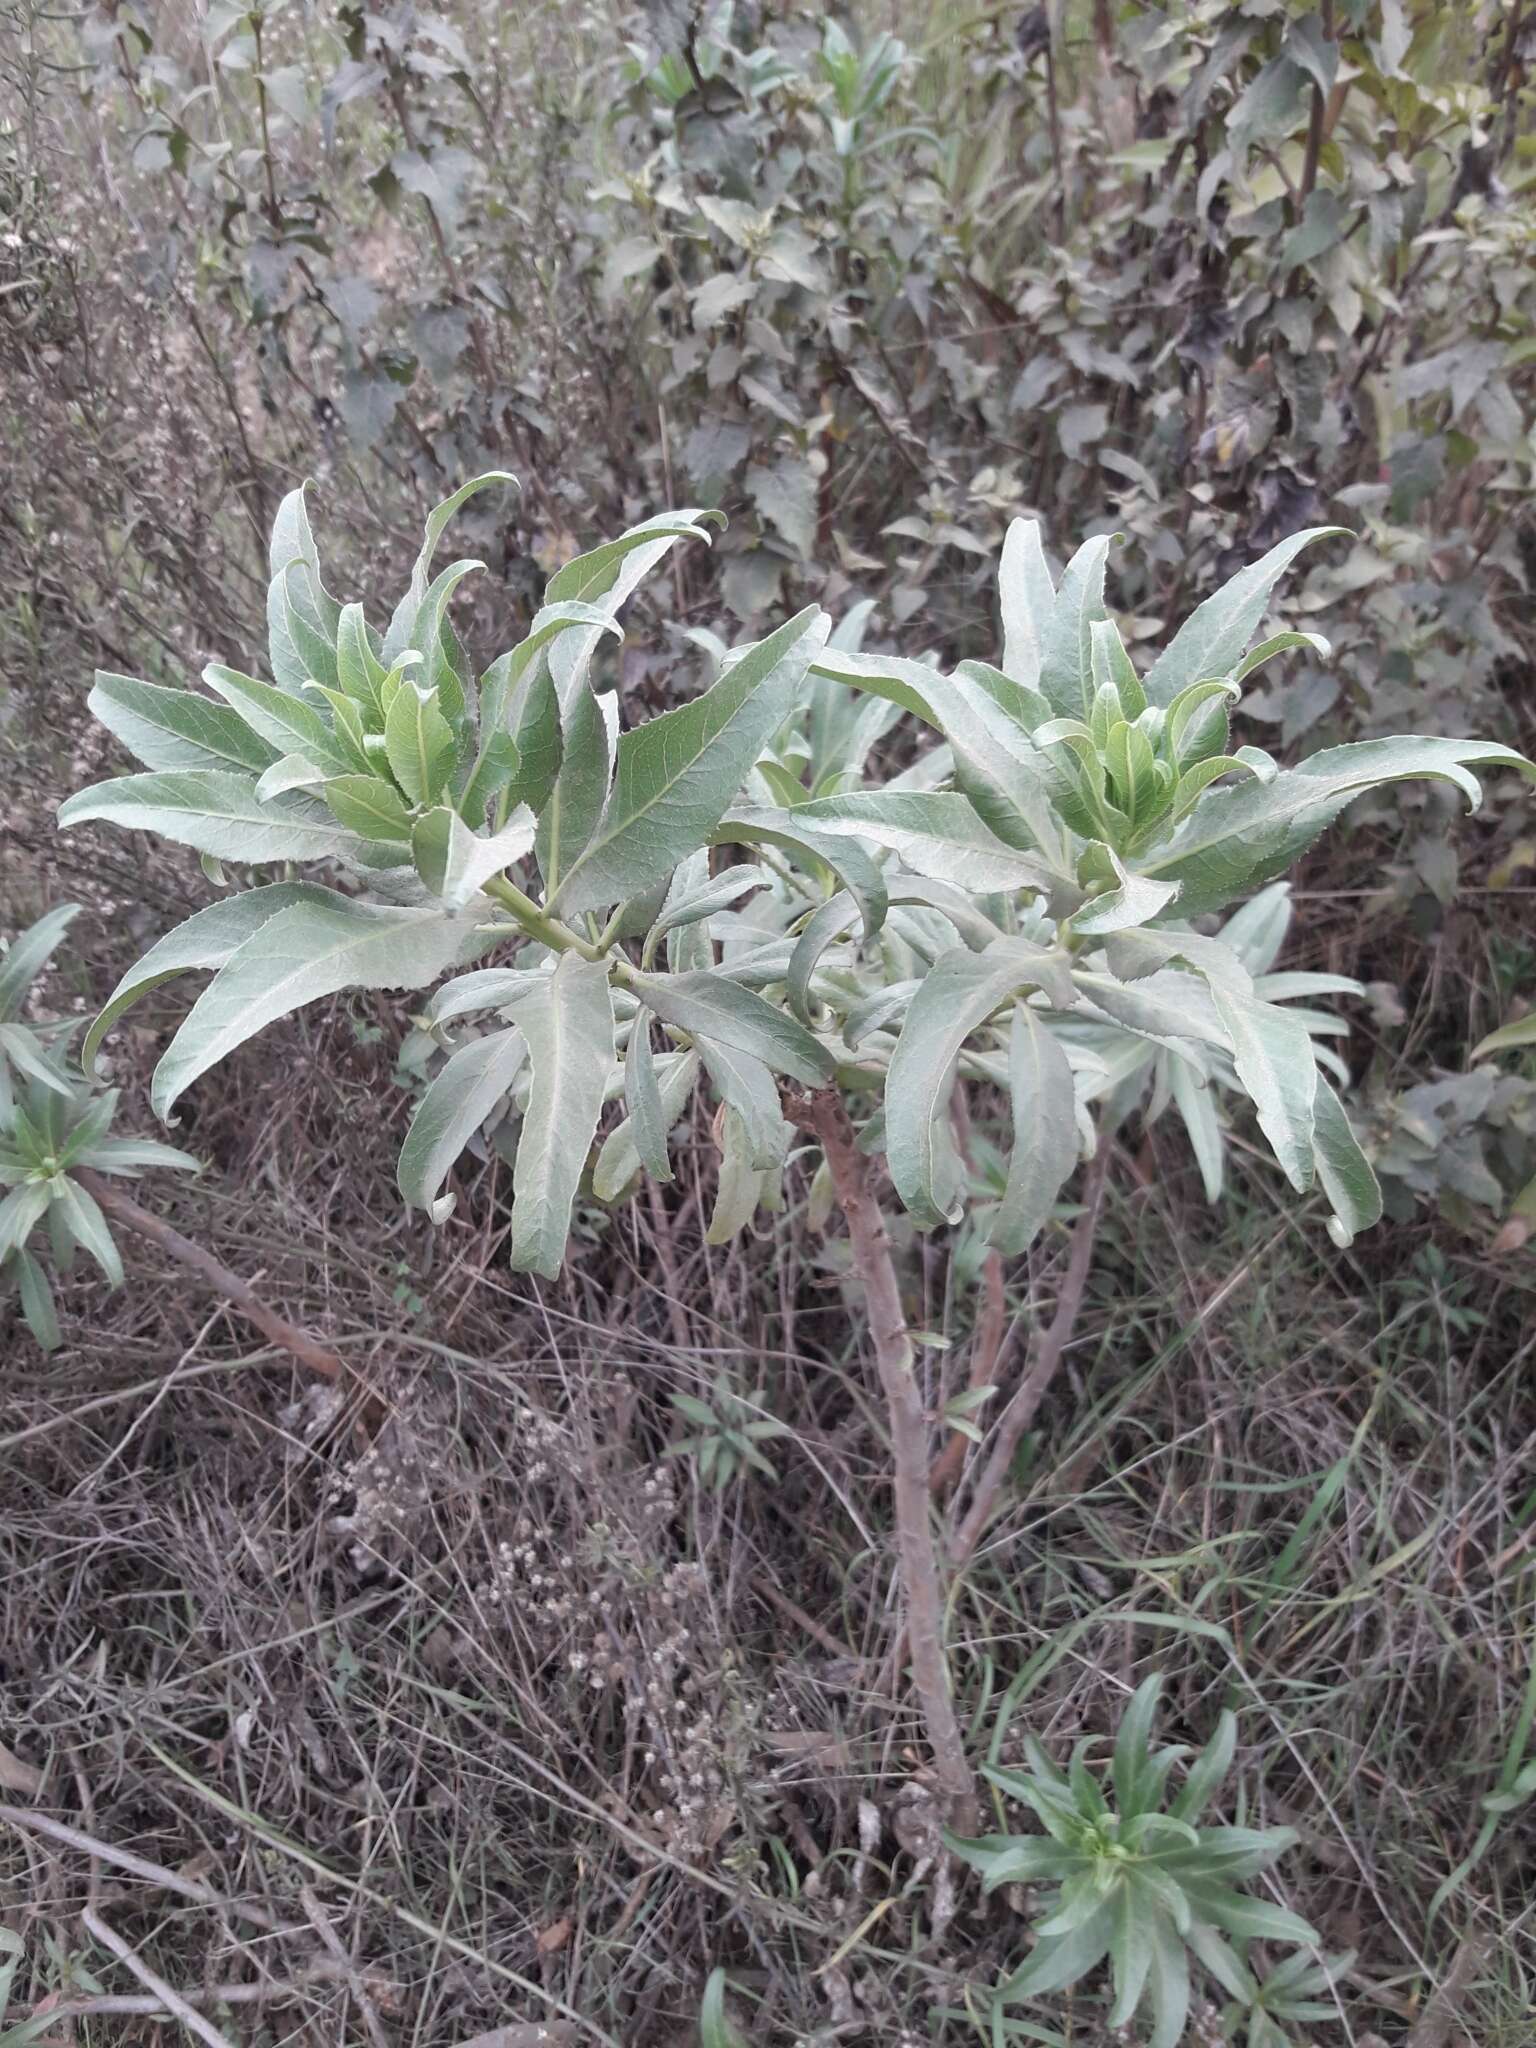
x=370, y=806
x=1273, y=1056
x=1044, y=1133
x=576, y=803
x=606, y=577
x=746, y=1085
x=402, y=627
x=747, y=825
x=286, y=723
x=295, y=587
x=306, y=951
x=995, y=762
x=1066, y=667
x=205, y=940
x=937, y=834
x=678, y=773
x=455, y=863
x=215, y=813
x=26, y=957
x=175, y=728
x=649, y=1121
x=569, y=1028
x=1214, y=638
x=1134, y=900
x=1028, y=601
x=1343, y=1168
x=640, y=1141
x=457, y=1102
x=420, y=743
x=1239, y=837
x=707, y=1005
x=959, y=992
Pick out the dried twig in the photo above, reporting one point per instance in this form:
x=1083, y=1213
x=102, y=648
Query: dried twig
x=124, y=1859
x=173, y=2001
x=217, y=1277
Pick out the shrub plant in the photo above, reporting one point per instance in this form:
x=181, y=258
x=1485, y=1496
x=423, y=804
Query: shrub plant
x=743, y=894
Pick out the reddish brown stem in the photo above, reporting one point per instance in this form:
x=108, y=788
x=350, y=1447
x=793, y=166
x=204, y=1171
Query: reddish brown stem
x=825, y=1117
x=1042, y=1370
x=987, y=1349
x=216, y=1277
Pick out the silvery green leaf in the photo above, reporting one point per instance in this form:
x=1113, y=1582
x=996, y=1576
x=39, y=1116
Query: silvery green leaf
x=1256, y=929
x=20, y=1213
x=77, y=1212
x=656, y=1092
x=995, y=762
x=207, y=939
x=745, y=1084
x=359, y=671
x=25, y=1053
x=1167, y=1984
x=307, y=951
x=825, y=925
x=1239, y=837
x=402, y=626
x=1166, y=1006
x=286, y=723
x=706, y=1004
x=1214, y=638
x=739, y=1186
x=1028, y=598
x=29, y=953
x=1133, y=901
x=1066, y=651
x=758, y=825
x=518, y=698
x=456, y=863
x=957, y=995
x=486, y=988
x=132, y=1156
x=678, y=773
x=175, y=728
x=649, y=1119
x=1279, y=643
x=37, y=1303
x=457, y=1101
x=213, y=812
x=293, y=771
x=420, y=743
x=369, y=806
x=569, y=1028
x=295, y=586
x=1061, y=1960
x=1273, y=1057
x=431, y=630
x=718, y=893
x=1042, y=1102
x=1343, y=1169
x=1195, y=1101
x=936, y=833
x=606, y=578
x=574, y=808
x=315, y=649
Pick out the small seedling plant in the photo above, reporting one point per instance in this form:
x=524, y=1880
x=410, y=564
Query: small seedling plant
x=1128, y=1874
x=733, y=896
x=55, y=1133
